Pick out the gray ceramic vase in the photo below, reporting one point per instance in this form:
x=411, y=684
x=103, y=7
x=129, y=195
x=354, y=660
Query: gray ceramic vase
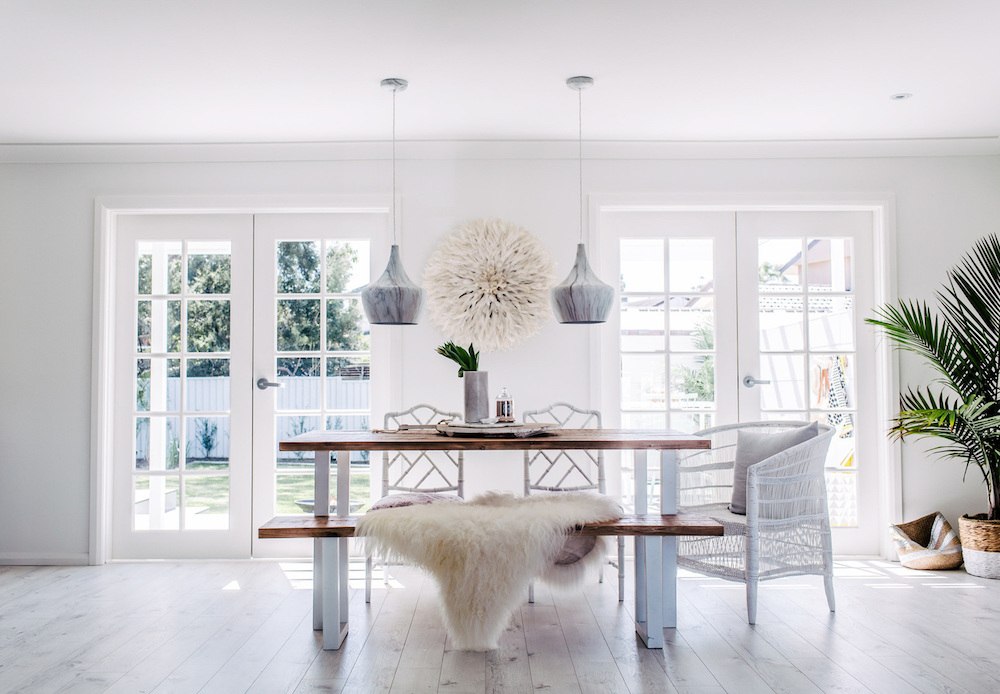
x=477, y=396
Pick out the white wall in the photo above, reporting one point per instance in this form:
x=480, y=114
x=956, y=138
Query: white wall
x=46, y=270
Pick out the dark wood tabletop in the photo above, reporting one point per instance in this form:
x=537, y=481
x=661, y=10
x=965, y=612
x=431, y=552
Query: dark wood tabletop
x=429, y=440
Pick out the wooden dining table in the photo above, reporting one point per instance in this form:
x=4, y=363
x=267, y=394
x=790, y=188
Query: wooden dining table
x=655, y=554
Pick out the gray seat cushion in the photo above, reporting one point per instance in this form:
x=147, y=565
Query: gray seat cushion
x=754, y=447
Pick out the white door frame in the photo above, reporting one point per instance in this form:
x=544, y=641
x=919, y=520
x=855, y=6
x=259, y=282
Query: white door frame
x=883, y=209
x=107, y=211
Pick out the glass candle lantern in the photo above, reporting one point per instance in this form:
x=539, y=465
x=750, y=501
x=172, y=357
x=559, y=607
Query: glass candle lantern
x=505, y=407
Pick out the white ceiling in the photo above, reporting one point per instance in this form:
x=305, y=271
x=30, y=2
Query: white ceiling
x=220, y=71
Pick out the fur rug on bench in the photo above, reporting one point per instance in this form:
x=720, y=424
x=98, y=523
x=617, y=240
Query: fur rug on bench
x=485, y=552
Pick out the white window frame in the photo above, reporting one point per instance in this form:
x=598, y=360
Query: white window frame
x=603, y=346
x=107, y=211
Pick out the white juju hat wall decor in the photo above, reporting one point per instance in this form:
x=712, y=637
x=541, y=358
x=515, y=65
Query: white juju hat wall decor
x=487, y=283
x=582, y=297
x=393, y=299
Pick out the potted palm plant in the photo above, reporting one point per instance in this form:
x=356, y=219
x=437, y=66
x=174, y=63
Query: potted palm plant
x=961, y=341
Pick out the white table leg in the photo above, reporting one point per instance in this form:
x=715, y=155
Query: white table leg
x=641, y=505
x=648, y=568
x=321, y=490
x=655, y=557
x=332, y=579
x=668, y=504
x=344, y=509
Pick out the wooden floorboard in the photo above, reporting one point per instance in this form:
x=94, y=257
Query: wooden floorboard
x=219, y=627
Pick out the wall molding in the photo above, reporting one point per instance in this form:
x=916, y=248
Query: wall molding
x=32, y=559
x=493, y=149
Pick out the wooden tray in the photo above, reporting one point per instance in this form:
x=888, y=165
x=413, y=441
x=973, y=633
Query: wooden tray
x=509, y=430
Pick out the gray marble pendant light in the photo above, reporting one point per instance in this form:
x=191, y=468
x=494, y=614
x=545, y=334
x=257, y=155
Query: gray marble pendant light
x=582, y=297
x=393, y=299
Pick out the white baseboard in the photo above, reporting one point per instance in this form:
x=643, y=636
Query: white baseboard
x=32, y=559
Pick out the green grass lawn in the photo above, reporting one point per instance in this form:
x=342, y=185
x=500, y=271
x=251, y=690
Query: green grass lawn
x=212, y=492
x=292, y=487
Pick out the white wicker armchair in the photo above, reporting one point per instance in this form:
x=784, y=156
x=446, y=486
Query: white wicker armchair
x=786, y=530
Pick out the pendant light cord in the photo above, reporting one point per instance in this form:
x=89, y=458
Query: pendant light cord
x=579, y=95
x=394, y=243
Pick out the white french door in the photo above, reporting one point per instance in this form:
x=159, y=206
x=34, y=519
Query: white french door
x=182, y=467
x=806, y=284
x=232, y=332
x=741, y=316
x=312, y=340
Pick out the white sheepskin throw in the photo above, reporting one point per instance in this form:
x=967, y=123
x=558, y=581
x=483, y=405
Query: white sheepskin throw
x=484, y=553
x=488, y=284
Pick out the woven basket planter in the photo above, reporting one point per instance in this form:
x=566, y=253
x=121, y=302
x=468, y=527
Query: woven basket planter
x=981, y=545
x=927, y=543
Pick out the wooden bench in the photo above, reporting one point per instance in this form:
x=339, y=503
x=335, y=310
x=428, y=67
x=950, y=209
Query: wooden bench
x=331, y=602
x=645, y=524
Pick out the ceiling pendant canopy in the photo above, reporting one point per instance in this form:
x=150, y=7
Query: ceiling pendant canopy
x=393, y=299
x=582, y=297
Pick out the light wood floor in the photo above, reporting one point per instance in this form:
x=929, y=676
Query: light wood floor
x=246, y=627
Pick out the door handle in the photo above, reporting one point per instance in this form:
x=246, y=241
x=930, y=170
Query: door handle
x=750, y=382
x=264, y=384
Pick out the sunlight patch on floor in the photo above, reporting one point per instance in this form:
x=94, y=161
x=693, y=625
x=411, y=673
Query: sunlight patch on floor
x=300, y=576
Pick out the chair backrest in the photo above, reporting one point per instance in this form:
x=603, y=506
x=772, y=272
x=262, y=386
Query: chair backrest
x=791, y=483
x=705, y=477
x=564, y=470
x=421, y=471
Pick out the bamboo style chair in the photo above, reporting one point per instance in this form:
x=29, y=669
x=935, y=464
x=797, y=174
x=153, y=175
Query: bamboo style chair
x=569, y=470
x=418, y=471
x=786, y=530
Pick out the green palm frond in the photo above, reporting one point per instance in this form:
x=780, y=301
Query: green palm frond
x=971, y=303
x=970, y=431
x=914, y=328
x=962, y=344
x=467, y=360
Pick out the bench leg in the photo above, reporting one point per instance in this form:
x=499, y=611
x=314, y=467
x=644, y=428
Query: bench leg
x=649, y=591
x=640, y=580
x=334, y=592
x=317, y=584
x=621, y=569
x=669, y=582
